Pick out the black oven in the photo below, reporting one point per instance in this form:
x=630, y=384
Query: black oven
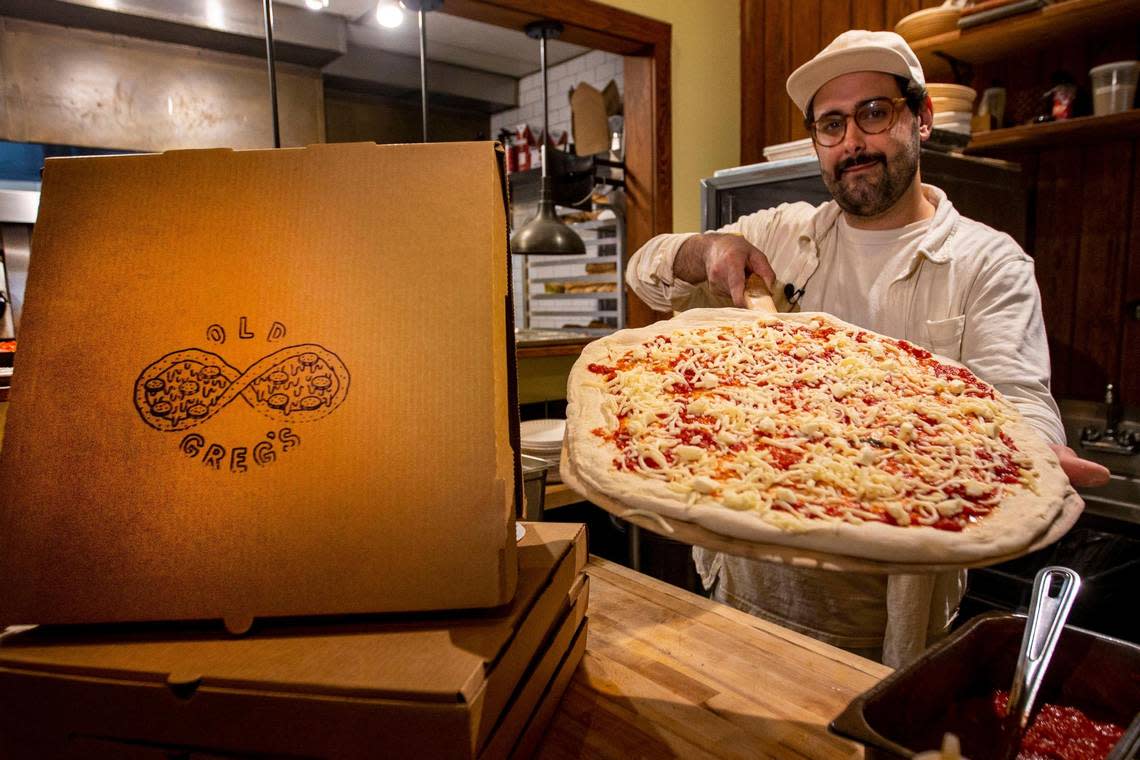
x=1103, y=549
x=1104, y=545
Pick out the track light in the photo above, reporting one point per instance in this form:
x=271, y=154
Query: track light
x=389, y=14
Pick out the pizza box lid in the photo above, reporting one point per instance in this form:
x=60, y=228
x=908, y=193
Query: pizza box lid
x=276, y=423
x=444, y=678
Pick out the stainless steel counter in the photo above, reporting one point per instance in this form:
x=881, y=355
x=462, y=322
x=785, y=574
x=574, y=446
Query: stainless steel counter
x=1120, y=499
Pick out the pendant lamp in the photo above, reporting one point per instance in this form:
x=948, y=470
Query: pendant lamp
x=545, y=234
x=271, y=61
x=421, y=8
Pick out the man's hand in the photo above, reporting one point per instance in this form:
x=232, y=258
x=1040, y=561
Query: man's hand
x=1081, y=472
x=725, y=260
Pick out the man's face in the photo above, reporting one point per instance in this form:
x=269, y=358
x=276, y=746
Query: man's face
x=867, y=174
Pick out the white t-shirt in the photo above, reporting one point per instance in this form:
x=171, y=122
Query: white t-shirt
x=850, y=282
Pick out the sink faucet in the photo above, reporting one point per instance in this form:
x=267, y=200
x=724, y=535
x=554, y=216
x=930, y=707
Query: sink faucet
x=1112, y=412
x=1112, y=439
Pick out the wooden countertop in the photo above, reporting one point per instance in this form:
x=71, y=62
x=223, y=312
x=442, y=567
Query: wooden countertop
x=569, y=348
x=668, y=673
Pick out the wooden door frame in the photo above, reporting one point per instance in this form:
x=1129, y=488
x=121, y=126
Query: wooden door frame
x=644, y=44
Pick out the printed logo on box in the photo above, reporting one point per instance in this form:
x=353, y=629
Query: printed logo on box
x=299, y=383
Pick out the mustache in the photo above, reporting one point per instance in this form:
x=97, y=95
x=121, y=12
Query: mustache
x=860, y=160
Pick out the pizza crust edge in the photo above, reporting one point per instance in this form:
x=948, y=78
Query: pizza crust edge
x=1021, y=518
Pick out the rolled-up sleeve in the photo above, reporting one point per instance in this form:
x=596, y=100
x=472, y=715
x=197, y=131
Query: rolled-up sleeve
x=1005, y=342
x=650, y=272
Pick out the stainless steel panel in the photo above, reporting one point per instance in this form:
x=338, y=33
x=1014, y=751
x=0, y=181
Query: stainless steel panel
x=19, y=206
x=392, y=73
x=233, y=26
x=1119, y=500
x=746, y=176
x=75, y=87
x=987, y=190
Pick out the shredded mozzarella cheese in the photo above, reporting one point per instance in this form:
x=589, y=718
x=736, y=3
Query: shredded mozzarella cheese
x=810, y=422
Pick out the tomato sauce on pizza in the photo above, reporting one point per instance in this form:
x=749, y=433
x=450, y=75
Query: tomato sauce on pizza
x=808, y=422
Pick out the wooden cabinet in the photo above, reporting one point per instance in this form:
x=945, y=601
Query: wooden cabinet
x=1085, y=235
x=1056, y=25
x=1017, y=40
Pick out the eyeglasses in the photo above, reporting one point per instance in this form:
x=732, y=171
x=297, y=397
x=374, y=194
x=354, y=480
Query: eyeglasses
x=873, y=116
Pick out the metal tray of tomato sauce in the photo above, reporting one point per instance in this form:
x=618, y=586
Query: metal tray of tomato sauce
x=949, y=688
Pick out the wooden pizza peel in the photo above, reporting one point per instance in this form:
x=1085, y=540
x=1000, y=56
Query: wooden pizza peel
x=758, y=298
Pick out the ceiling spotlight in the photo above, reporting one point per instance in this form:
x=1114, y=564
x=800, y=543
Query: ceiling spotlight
x=317, y=5
x=389, y=14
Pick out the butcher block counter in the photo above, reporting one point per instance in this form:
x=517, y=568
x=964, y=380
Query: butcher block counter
x=668, y=673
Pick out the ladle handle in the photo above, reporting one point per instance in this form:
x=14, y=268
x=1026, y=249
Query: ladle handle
x=1043, y=626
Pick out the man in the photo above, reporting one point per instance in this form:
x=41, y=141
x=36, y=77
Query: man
x=891, y=255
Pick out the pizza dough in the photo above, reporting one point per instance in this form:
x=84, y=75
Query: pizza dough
x=801, y=430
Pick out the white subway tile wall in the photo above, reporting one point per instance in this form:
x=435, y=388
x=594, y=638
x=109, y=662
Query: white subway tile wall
x=586, y=306
x=595, y=68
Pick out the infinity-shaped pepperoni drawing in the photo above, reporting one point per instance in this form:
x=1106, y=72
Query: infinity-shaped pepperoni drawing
x=185, y=388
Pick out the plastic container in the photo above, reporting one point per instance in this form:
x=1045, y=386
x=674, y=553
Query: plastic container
x=1114, y=86
x=993, y=105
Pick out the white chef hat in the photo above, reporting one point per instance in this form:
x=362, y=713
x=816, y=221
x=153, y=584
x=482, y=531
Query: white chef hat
x=855, y=50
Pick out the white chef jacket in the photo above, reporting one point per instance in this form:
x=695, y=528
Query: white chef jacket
x=960, y=289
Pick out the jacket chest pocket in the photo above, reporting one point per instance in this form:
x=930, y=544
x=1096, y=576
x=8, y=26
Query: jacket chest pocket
x=945, y=336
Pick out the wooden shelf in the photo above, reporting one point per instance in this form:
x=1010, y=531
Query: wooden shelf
x=1083, y=129
x=1014, y=35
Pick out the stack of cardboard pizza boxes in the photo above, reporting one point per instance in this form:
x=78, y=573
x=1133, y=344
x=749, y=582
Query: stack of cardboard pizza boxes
x=273, y=513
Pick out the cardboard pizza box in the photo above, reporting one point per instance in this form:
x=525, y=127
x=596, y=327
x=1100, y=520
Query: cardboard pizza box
x=397, y=686
x=262, y=383
x=521, y=727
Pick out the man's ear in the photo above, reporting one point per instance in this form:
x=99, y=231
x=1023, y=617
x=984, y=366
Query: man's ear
x=925, y=119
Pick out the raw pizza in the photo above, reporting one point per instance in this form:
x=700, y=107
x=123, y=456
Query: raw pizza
x=802, y=430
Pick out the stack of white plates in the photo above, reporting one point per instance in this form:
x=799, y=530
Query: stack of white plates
x=543, y=439
x=953, y=106
x=953, y=121
x=793, y=149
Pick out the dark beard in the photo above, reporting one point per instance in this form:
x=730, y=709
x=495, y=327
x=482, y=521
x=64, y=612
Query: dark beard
x=871, y=195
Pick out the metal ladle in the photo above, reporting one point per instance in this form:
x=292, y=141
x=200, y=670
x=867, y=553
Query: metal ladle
x=1043, y=626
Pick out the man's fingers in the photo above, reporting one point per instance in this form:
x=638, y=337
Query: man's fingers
x=1081, y=472
x=1084, y=473
x=736, y=290
x=758, y=265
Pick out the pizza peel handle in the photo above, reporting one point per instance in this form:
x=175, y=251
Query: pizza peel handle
x=757, y=296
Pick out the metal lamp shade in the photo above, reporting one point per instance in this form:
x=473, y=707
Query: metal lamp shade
x=546, y=234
